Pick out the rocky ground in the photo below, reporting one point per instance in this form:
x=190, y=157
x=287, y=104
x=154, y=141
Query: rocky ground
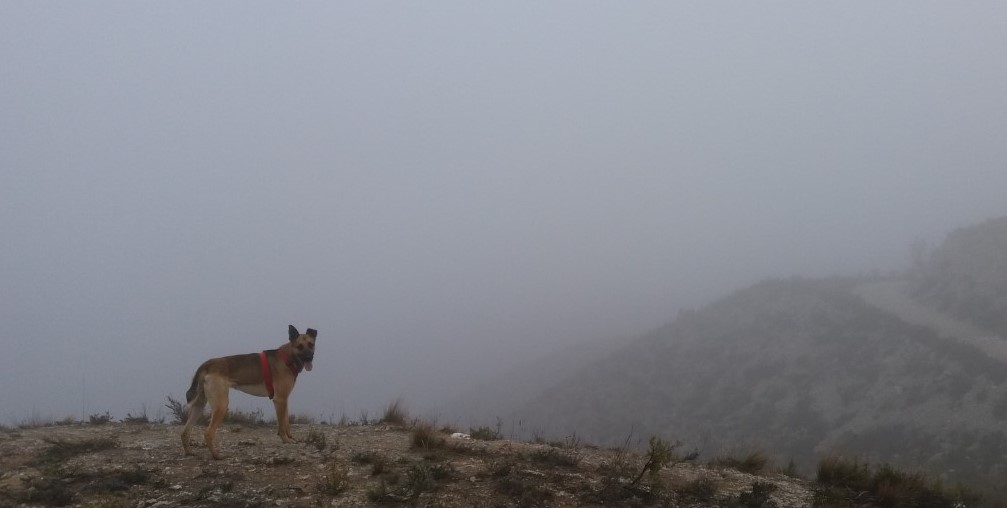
x=142, y=466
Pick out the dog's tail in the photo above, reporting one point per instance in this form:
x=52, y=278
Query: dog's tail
x=196, y=388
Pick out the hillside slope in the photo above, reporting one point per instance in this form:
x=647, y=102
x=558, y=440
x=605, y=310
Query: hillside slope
x=967, y=276
x=799, y=368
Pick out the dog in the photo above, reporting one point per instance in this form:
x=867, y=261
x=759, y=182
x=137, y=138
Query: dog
x=271, y=373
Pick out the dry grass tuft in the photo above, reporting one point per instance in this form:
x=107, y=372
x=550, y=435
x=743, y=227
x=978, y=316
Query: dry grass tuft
x=395, y=414
x=424, y=436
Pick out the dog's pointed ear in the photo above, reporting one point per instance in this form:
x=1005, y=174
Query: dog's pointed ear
x=312, y=333
x=293, y=333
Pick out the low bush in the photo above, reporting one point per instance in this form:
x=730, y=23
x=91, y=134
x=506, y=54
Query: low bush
x=99, y=418
x=842, y=480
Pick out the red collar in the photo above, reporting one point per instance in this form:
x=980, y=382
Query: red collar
x=293, y=364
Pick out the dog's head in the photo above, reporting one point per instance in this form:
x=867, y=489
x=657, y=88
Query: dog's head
x=303, y=345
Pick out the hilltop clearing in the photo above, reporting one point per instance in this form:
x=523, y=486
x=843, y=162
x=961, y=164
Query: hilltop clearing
x=143, y=466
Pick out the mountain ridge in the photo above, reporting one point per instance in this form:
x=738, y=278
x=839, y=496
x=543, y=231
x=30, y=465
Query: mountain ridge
x=802, y=368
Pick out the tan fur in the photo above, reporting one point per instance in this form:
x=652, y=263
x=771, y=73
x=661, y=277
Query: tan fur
x=215, y=377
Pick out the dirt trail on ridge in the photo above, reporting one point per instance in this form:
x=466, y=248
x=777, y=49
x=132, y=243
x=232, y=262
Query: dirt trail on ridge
x=892, y=297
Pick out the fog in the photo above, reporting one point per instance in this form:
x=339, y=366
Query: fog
x=447, y=189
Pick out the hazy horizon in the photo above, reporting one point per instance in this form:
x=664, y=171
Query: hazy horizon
x=447, y=189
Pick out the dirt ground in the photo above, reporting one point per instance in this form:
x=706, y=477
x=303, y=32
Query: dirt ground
x=142, y=466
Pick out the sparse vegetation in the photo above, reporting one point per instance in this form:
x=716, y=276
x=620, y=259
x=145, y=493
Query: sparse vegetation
x=377, y=461
x=419, y=478
x=386, y=466
x=379, y=493
x=250, y=418
x=99, y=418
x=335, y=481
x=35, y=421
x=660, y=454
x=556, y=457
x=842, y=480
x=141, y=417
x=118, y=480
x=424, y=436
x=294, y=419
x=395, y=414
x=135, y=418
x=702, y=488
x=524, y=491
x=316, y=438
x=60, y=450
x=46, y=491
x=790, y=470
x=753, y=462
x=757, y=497
x=177, y=409
x=484, y=434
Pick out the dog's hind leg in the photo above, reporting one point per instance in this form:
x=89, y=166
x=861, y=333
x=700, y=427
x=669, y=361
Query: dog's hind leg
x=216, y=394
x=195, y=409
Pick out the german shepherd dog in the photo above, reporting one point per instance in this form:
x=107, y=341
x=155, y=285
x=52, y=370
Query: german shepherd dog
x=271, y=373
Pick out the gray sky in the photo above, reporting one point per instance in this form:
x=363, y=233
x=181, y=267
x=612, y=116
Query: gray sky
x=440, y=188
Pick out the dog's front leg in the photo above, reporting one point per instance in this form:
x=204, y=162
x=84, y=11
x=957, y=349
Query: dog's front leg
x=282, y=421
